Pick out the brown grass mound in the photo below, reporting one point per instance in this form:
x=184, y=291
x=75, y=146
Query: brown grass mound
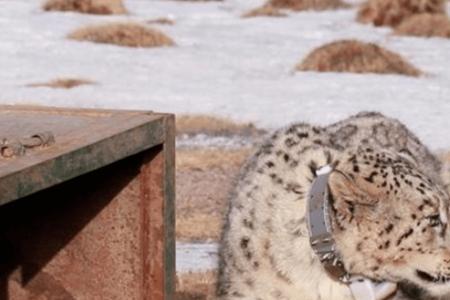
x=211, y=125
x=264, y=11
x=308, y=4
x=122, y=34
x=98, y=7
x=196, y=286
x=425, y=25
x=356, y=57
x=393, y=12
x=162, y=21
x=62, y=83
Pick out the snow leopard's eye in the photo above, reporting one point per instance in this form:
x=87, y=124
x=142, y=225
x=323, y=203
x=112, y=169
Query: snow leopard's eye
x=434, y=220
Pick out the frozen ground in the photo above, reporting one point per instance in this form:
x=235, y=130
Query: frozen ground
x=225, y=65
x=196, y=257
x=222, y=142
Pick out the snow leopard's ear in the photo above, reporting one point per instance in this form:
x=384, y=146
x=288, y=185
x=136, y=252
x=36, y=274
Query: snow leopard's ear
x=347, y=193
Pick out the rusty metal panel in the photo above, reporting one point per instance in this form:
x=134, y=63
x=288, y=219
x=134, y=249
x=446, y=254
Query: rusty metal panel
x=160, y=173
x=85, y=140
x=95, y=216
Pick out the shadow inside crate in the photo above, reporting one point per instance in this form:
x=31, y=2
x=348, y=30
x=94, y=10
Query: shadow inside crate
x=35, y=229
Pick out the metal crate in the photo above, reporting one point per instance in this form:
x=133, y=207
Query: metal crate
x=86, y=204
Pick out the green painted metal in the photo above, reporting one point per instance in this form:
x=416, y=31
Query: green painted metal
x=169, y=212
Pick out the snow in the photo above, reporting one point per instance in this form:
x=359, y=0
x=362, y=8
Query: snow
x=221, y=142
x=194, y=257
x=223, y=64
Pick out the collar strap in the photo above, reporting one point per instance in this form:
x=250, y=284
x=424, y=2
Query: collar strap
x=319, y=226
x=323, y=244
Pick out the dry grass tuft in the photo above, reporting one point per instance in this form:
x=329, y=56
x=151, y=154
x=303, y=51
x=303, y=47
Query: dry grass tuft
x=196, y=286
x=393, y=12
x=307, y=4
x=445, y=174
x=199, y=227
x=62, y=83
x=204, y=159
x=122, y=34
x=205, y=179
x=162, y=21
x=264, y=11
x=356, y=57
x=444, y=157
x=425, y=25
x=199, y=0
x=211, y=125
x=98, y=7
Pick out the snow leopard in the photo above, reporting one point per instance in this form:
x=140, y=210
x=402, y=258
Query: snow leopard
x=389, y=214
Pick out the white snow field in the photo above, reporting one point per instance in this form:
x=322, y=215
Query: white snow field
x=222, y=64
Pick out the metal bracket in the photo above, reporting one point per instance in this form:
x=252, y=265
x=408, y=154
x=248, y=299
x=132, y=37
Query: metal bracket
x=10, y=148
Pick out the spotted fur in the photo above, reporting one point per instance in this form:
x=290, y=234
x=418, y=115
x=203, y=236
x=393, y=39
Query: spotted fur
x=389, y=213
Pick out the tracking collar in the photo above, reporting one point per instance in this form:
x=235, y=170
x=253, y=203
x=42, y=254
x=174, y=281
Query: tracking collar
x=323, y=244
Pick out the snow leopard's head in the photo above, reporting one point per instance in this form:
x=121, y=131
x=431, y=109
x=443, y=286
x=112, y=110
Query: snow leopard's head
x=390, y=220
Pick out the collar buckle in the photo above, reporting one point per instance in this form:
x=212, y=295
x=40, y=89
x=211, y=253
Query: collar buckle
x=335, y=268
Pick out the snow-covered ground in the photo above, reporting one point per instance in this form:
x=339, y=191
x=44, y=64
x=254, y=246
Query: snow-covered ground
x=194, y=257
x=223, y=64
x=222, y=142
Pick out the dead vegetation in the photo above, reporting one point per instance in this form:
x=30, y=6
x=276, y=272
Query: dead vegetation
x=98, y=7
x=393, y=12
x=273, y=8
x=161, y=21
x=445, y=157
x=200, y=0
x=202, y=201
x=211, y=125
x=204, y=159
x=425, y=25
x=356, y=57
x=205, y=178
x=264, y=11
x=62, y=83
x=199, y=227
x=196, y=286
x=298, y=5
x=122, y=34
